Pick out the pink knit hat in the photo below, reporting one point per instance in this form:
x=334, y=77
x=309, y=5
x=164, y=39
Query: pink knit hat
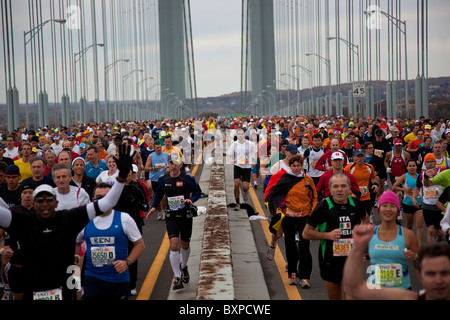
x=389, y=197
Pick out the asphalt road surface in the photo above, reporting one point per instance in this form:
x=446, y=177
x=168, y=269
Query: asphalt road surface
x=276, y=277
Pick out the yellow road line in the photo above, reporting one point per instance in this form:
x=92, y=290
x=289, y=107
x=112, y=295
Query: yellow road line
x=150, y=280
x=153, y=273
x=291, y=291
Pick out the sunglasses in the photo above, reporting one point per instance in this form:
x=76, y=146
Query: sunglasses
x=42, y=199
x=97, y=197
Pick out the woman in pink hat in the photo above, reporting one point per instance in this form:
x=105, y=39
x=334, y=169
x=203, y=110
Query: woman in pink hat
x=391, y=246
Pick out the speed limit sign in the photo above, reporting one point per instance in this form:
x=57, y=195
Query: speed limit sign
x=359, y=89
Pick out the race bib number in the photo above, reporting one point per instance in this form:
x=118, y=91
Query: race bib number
x=431, y=192
x=364, y=190
x=378, y=152
x=160, y=166
x=389, y=275
x=342, y=247
x=103, y=256
x=54, y=294
x=242, y=160
x=175, y=203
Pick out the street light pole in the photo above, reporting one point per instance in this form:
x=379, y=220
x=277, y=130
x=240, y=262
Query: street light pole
x=355, y=49
x=77, y=56
x=298, y=85
x=328, y=64
x=107, y=69
x=125, y=78
x=32, y=33
x=309, y=73
x=397, y=23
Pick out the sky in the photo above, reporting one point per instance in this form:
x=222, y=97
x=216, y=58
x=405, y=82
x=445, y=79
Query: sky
x=216, y=27
x=217, y=41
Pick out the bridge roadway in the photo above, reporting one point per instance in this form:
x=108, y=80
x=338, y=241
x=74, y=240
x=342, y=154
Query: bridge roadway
x=235, y=266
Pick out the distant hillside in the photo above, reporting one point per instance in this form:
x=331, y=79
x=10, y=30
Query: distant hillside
x=439, y=98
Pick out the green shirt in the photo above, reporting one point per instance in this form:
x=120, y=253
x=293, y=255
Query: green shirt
x=442, y=179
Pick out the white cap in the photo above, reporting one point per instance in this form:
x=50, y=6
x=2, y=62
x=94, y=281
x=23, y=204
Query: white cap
x=44, y=188
x=337, y=156
x=175, y=158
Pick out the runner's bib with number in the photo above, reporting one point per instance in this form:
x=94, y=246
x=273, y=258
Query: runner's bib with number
x=175, y=203
x=103, y=256
x=242, y=160
x=363, y=190
x=389, y=275
x=342, y=247
x=378, y=152
x=54, y=294
x=160, y=166
x=431, y=192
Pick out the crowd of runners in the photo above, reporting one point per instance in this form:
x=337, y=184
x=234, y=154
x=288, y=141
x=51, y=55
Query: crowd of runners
x=62, y=189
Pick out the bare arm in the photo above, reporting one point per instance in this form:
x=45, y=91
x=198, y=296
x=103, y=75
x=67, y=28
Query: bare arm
x=396, y=187
x=138, y=248
x=353, y=279
x=310, y=233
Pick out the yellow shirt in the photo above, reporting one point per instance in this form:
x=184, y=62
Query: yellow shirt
x=173, y=149
x=409, y=137
x=25, y=169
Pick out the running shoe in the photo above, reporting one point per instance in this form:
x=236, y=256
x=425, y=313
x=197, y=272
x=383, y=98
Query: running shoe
x=304, y=284
x=185, y=274
x=7, y=295
x=133, y=292
x=238, y=207
x=255, y=185
x=270, y=253
x=177, y=284
x=292, y=280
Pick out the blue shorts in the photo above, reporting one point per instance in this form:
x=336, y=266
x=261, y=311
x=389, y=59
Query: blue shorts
x=255, y=169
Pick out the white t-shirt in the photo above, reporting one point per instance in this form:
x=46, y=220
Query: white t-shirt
x=75, y=198
x=245, y=153
x=111, y=148
x=128, y=225
x=11, y=153
x=105, y=177
x=57, y=147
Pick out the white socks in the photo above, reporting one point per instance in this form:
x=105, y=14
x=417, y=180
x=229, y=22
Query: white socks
x=175, y=263
x=185, y=256
x=175, y=260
